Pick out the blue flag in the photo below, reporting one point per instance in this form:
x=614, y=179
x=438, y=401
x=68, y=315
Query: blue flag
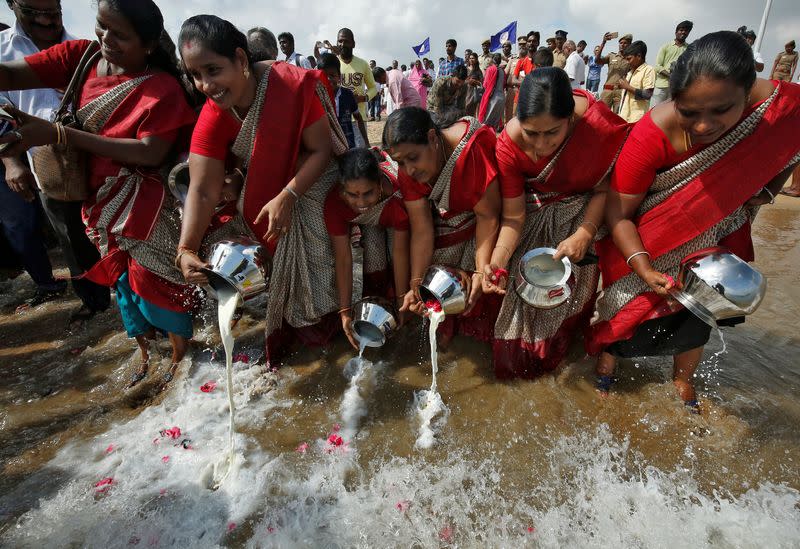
x=423, y=48
x=507, y=33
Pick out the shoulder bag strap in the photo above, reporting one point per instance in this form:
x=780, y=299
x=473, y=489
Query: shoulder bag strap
x=71, y=95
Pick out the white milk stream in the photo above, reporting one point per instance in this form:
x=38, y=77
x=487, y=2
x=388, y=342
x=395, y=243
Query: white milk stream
x=429, y=403
x=226, y=309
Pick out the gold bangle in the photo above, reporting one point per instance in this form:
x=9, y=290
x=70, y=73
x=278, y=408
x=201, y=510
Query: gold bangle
x=344, y=310
x=63, y=134
x=240, y=172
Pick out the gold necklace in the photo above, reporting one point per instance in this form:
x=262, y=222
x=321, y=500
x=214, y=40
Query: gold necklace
x=687, y=140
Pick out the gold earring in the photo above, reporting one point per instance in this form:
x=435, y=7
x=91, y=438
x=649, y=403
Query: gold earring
x=246, y=72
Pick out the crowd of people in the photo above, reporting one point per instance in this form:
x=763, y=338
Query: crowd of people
x=482, y=159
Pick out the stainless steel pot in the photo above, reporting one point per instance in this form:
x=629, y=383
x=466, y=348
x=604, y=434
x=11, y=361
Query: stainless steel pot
x=178, y=180
x=374, y=320
x=447, y=286
x=716, y=284
x=543, y=282
x=240, y=264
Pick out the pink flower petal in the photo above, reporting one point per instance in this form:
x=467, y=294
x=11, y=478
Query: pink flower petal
x=231, y=526
x=77, y=350
x=270, y=529
x=156, y=441
x=175, y=432
x=165, y=459
x=162, y=492
x=402, y=506
x=302, y=448
x=101, y=486
x=531, y=529
x=336, y=427
x=110, y=449
x=208, y=386
x=335, y=440
x=446, y=534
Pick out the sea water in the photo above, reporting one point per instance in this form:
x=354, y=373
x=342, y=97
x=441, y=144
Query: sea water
x=429, y=404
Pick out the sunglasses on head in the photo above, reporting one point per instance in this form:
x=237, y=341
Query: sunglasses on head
x=32, y=13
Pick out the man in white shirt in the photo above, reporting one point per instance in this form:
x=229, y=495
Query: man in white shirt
x=575, y=67
x=38, y=26
x=286, y=43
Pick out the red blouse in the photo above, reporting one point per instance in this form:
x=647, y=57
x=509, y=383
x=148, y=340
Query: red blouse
x=474, y=171
x=339, y=216
x=586, y=158
x=217, y=129
x=648, y=151
x=158, y=106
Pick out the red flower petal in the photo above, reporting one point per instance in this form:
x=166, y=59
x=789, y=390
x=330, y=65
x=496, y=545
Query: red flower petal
x=446, y=534
x=104, y=484
x=433, y=305
x=231, y=526
x=175, y=432
x=110, y=449
x=335, y=440
x=531, y=529
x=165, y=459
x=241, y=357
x=302, y=448
x=208, y=386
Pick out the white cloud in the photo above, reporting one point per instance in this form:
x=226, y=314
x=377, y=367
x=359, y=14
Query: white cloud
x=386, y=29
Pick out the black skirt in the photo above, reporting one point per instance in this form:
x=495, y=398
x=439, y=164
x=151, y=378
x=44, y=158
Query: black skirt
x=668, y=336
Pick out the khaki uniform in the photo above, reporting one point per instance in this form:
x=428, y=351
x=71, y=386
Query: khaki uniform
x=559, y=59
x=617, y=69
x=511, y=92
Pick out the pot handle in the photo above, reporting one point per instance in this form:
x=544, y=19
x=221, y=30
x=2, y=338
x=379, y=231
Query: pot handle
x=588, y=259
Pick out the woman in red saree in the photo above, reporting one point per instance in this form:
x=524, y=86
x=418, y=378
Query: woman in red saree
x=367, y=200
x=691, y=175
x=278, y=122
x=554, y=158
x=448, y=178
x=492, y=107
x=132, y=110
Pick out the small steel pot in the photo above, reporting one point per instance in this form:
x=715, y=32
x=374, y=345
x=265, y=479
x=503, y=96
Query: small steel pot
x=716, y=284
x=447, y=286
x=240, y=264
x=543, y=282
x=178, y=180
x=374, y=320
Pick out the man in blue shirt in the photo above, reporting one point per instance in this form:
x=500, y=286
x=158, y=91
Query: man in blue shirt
x=346, y=104
x=448, y=65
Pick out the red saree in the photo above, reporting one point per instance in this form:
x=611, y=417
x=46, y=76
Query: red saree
x=695, y=204
x=129, y=216
x=529, y=341
x=467, y=174
x=302, y=282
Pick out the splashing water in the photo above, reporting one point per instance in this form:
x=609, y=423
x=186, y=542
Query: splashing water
x=353, y=407
x=429, y=404
x=226, y=309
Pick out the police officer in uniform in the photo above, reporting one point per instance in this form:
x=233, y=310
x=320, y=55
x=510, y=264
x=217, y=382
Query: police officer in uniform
x=559, y=59
x=617, y=69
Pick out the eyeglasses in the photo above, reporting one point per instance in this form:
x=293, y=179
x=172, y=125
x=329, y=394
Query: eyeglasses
x=33, y=13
